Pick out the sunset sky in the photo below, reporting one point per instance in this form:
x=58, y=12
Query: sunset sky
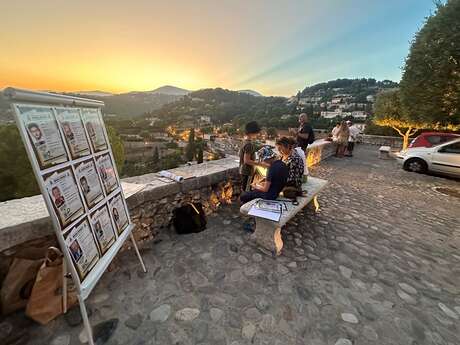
x=272, y=46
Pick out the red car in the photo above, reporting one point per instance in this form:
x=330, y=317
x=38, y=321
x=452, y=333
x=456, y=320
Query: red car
x=430, y=139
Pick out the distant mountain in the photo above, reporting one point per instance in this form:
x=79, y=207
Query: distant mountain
x=251, y=92
x=170, y=90
x=96, y=93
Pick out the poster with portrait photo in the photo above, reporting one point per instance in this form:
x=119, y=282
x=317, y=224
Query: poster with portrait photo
x=103, y=229
x=94, y=127
x=107, y=173
x=82, y=248
x=65, y=197
x=88, y=180
x=44, y=136
x=74, y=133
x=118, y=211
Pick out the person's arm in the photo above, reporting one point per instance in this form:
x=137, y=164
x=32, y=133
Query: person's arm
x=249, y=161
x=264, y=186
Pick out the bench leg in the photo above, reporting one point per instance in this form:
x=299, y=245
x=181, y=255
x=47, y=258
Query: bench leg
x=316, y=203
x=268, y=236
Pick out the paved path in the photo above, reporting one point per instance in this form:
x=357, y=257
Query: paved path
x=379, y=265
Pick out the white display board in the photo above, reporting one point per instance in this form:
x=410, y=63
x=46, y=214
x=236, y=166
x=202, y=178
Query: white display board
x=68, y=147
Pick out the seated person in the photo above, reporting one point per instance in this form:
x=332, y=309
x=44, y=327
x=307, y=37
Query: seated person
x=292, y=160
x=277, y=175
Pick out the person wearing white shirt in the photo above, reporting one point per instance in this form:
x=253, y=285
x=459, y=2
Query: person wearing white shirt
x=335, y=130
x=354, y=131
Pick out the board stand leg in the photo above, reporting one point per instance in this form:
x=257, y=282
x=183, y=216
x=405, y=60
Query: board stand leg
x=133, y=240
x=64, y=286
x=84, y=315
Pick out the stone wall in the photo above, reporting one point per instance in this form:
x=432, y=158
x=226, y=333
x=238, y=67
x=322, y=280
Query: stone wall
x=380, y=140
x=25, y=223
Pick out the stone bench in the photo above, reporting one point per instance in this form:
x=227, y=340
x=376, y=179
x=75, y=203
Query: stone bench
x=384, y=152
x=268, y=233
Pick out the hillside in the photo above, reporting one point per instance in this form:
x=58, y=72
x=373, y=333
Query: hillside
x=222, y=106
x=359, y=89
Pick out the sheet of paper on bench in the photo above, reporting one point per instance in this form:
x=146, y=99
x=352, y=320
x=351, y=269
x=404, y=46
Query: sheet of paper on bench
x=257, y=212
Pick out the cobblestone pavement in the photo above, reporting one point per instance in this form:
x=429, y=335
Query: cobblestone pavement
x=380, y=264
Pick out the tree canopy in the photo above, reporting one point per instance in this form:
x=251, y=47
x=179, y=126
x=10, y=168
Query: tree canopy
x=17, y=179
x=430, y=86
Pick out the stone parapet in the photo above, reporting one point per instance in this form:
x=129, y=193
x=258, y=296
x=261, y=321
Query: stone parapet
x=151, y=206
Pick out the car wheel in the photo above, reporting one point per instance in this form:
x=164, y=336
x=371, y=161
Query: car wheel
x=416, y=165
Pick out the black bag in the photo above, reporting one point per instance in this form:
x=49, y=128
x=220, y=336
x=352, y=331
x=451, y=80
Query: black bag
x=189, y=219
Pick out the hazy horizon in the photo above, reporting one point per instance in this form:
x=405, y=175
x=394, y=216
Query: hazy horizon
x=262, y=45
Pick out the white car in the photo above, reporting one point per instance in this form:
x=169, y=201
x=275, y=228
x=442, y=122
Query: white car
x=444, y=158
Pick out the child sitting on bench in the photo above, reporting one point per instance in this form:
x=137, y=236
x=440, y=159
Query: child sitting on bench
x=277, y=175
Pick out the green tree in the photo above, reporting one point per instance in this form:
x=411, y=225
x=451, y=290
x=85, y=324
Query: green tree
x=430, y=86
x=118, y=149
x=156, y=155
x=199, y=155
x=272, y=132
x=390, y=112
x=191, y=148
x=17, y=179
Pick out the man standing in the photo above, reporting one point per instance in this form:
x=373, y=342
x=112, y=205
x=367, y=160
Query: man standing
x=305, y=134
x=354, y=131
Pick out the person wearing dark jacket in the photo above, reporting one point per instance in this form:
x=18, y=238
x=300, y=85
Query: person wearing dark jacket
x=305, y=134
x=275, y=181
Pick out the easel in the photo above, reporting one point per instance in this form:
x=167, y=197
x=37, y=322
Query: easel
x=84, y=286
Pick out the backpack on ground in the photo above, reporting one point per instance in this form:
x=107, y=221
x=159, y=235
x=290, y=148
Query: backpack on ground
x=189, y=219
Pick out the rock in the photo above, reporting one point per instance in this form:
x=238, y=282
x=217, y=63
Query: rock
x=161, y=313
x=61, y=340
x=448, y=311
x=104, y=330
x=242, y=260
x=292, y=264
x=99, y=298
x=248, y=331
x=407, y=288
x=101, y=332
x=187, y=314
x=134, y=321
x=73, y=316
x=252, y=314
x=282, y=269
x=227, y=222
x=268, y=323
x=234, y=248
x=369, y=333
x=216, y=314
x=262, y=303
x=257, y=257
x=345, y=272
x=406, y=297
x=317, y=301
x=350, y=318
x=343, y=341
x=367, y=310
